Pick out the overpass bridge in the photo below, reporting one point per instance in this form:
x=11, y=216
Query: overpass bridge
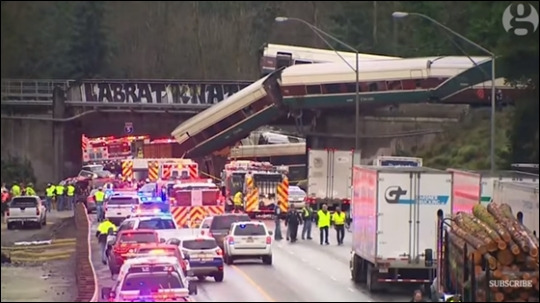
x=43, y=120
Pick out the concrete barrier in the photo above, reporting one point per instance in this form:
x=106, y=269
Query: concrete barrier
x=84, y=270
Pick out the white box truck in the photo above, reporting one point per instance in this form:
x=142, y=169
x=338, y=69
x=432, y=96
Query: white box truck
x=523, y=198
x=330, y=176
x=488, y=181
x=396, y=211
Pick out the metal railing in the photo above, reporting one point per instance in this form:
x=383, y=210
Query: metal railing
x=30, y=89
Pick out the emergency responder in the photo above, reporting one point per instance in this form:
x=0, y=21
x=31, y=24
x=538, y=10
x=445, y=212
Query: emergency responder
x=16, y=190
x=418, y=297
x=323, y=222
x=70, y=196
x=49, y=192
x=104, y=229
x=99, y=198
x=292, y=221
x=237, y=200
x=338, y=219
x=5, y=199
x=60, y=198
x=307, y=218
x=29, y=190
x=277, y=220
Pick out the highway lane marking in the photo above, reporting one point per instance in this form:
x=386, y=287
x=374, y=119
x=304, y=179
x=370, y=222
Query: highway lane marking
x=254, y=284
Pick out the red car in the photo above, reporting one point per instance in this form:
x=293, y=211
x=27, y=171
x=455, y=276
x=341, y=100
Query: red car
x=128, y=242
x=169, y=250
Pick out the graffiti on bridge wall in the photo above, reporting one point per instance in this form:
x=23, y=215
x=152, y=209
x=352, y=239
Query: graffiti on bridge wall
x=156, y=92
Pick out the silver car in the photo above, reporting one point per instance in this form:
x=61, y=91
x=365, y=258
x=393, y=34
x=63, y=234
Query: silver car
x=297, y=197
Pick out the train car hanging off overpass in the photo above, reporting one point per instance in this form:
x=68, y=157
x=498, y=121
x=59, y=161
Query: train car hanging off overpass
x=327, y=85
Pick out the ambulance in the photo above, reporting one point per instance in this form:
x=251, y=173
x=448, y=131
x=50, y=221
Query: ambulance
x=263, y=186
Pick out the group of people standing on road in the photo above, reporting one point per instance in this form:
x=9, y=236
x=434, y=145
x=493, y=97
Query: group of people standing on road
x=63, y=194
x=324, y=219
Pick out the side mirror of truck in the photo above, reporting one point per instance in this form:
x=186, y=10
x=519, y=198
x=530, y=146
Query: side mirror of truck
x=271, y=233
x=106, y=293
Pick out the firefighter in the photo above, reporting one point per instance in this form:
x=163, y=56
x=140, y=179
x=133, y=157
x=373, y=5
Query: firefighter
x=237, y=200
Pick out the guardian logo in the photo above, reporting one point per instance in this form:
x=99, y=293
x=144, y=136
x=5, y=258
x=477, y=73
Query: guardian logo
x=393, y=193
x=520, y=19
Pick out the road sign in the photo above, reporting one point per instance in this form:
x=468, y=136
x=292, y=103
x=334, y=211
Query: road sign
x=128, y=128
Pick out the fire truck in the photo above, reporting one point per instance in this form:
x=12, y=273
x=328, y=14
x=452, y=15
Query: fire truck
x=263, y=186
x=159, y=169
x=194, y=199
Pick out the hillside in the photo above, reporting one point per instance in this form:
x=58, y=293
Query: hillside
x=467, y=146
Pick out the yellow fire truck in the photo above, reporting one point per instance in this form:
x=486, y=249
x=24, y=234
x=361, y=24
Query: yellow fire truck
x=263, y=186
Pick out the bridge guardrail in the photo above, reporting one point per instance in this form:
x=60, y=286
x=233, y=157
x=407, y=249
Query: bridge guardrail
x=143, y=92
x=30, y=90
x=85, y=274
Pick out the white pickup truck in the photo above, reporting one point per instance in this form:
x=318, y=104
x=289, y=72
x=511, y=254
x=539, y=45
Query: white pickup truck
x=26, y=210
x=119, y=207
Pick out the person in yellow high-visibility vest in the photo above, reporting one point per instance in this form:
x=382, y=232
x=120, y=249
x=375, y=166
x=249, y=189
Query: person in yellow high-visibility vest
x=29, y=190
x=16, y=189
x=338, y=218
x=70, y=196
x=50, y=192
x=238, y=202
x=323, y=222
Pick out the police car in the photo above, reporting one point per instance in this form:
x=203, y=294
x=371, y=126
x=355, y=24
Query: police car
x=163, y=224
x=248, y=240
x=150, y=279
x=119, y=207
x=205, y=257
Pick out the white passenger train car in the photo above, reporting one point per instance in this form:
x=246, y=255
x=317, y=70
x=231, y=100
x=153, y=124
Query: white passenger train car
x=232, y=119
x=333, y=84
x=275, y=56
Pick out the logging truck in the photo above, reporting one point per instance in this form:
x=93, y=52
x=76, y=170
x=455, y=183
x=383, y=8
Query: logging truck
x=487, y=256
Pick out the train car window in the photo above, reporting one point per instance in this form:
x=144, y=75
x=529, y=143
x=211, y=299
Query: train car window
x=313, y=89
x=332, y=88
x=373, y=87
x=248, y=111
x=351, y=88
x=302, y=62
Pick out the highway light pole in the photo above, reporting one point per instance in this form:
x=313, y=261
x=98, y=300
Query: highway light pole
x=399, y=15
x=318, y=32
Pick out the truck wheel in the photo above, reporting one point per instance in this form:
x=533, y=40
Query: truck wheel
x=356, y=272
x=371, y=278
x=218, y=277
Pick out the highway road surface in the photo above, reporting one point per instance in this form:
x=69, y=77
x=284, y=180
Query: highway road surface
x=301, y=272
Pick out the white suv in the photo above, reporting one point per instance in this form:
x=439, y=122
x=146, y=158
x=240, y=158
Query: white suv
x=248, y=240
